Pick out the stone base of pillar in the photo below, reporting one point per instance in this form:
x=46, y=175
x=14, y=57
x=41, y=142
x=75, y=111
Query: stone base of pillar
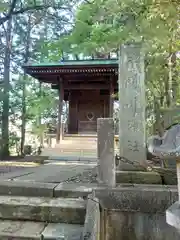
x=173, y=215
x=138, y=177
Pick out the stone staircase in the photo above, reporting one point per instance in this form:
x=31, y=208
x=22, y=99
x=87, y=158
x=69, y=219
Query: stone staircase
x=35, y=215
x=74, y=145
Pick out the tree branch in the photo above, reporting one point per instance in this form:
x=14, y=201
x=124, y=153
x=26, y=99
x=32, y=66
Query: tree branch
x=13, y=5
x=27, y=9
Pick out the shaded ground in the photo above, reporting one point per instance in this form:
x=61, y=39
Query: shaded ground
x=12, y=166
x=54, y=172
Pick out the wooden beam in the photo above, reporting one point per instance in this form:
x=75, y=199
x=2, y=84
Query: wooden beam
x=86, y=86
x=111, y=100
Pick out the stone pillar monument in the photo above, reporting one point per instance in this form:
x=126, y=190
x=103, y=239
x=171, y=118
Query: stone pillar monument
x=132, y=130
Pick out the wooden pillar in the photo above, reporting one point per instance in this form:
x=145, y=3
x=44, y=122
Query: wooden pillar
x=60, y=107
x=69, y=120
x=111, y=100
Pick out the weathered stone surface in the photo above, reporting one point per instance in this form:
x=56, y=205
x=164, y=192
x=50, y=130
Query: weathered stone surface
x=123, y=177
x=138, y=177
x=169, y=176
x=173, y=215
x=130, y=167
x=132, y=141
x=43, y=209
x=34, y=189
x=62, y=231
x=92, y=222
x=173, y=193
x=55, y=173
x=178, y=177
x=74, y=189
x=125, y=225
x=18, y=230
x=140, y=198
x=106, y=160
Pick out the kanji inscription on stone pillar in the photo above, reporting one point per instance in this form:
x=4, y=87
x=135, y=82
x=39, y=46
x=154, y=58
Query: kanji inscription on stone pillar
x=132, y=104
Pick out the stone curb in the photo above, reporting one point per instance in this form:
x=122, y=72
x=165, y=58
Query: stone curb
x=139, y=198
x=27, y=188
x=39, y=189
x=43, y=209
x=75, y=190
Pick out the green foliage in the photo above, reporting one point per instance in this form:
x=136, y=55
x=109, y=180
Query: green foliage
x=102, y=26
x=35, y=25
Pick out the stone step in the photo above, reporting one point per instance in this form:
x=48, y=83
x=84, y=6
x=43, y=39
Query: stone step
x=43, y=209
x=79, y=137
x=62, y=231
x=74, y=149
x=55, y=149
x=26, y=230
x=75, y=146
x=75, y=190
x=37, y=189
x=26, y=188
x=77, y=143
x=68, y=152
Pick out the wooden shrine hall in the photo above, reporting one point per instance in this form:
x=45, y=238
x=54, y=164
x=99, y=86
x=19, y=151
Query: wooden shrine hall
x=88, y=86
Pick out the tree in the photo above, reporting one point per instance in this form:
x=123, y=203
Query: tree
x=102, y=26
x=28, y=18
x=15, y=8
x=6, y=86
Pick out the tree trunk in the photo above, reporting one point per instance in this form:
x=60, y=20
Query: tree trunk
x=6, y=86
x=23, y=116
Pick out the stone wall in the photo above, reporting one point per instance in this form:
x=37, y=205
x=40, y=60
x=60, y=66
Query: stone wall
x=136, y=212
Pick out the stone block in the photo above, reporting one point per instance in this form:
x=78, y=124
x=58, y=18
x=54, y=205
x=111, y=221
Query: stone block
x=43, y=209
x=25, y=188
x=169, y=176
x=173, y=193
x=124, y=225
x=18, y=230
x=130, y=167
x=173, y=215
x=60, y=231
x=140, y=198
x=74, y=190
x=138, y=177
x=123, y=177
x=106, y=160
x=92, y=222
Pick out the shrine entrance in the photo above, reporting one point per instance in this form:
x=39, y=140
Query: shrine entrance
x=88, y=86
x=85, y=108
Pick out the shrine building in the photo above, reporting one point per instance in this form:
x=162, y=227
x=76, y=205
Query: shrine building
x=88, y=86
